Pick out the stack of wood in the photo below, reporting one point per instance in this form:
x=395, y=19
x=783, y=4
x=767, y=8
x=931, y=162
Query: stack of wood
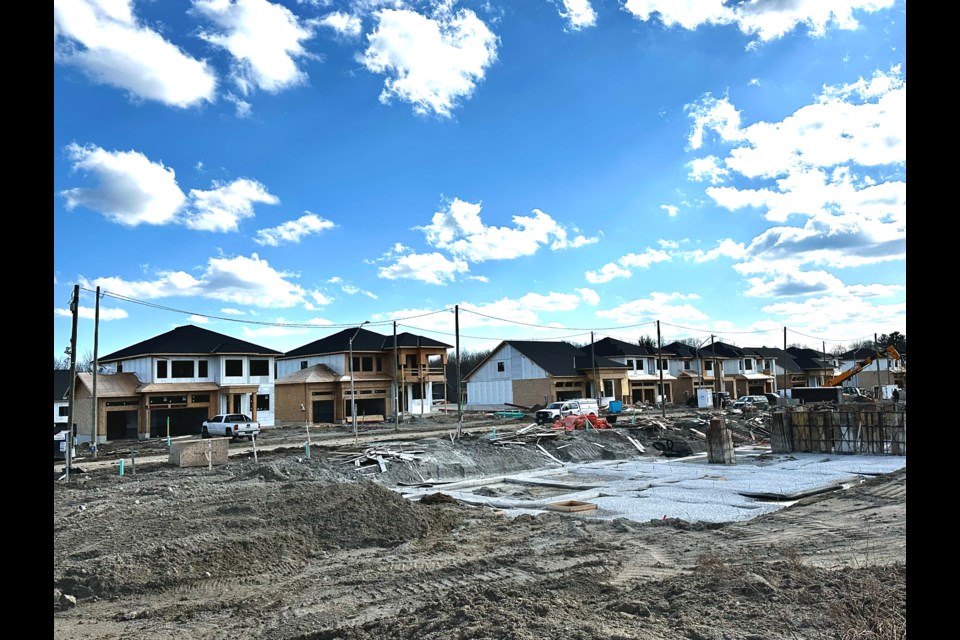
x=532, y=433
x=378, y=456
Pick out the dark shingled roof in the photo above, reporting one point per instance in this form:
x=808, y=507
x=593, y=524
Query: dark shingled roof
x=561, y=358
x=611, y=347
x=366, y=340
x=61, y=384
x=189, y=340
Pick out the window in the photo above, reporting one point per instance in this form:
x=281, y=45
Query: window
x=63, y=412
x=708, y=365
x=662, y=365
x=182, y=369
x=167, y=400
x=303, y=364
x=233, y=368
x=501, y=367
x=748, y=364
x=768, y=365
x=202, y=369
x=161, y=368
x=263, y=402
x=364, y=363
x=379, y=362
x=686, y=364
x=119, y=367
x=198, y=398
x=259, y=367
x=631, y=364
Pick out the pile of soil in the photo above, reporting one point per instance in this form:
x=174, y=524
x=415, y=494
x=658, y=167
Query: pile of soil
x=311, y=548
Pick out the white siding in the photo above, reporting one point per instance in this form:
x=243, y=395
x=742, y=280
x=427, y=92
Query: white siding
x=490, y=392
x=142, y=367
x=334, y=361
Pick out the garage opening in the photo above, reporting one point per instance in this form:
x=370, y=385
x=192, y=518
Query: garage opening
x=322, y=411
x=183, y=422
x=369, y=407
x=121, y=425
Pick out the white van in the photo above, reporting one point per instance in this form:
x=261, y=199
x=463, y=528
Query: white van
x=574, y=407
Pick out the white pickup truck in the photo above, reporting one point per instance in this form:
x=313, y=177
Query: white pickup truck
x=231, y=425
x=575, y=407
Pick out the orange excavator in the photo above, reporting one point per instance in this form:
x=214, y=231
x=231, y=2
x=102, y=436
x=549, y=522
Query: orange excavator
x=860, y=366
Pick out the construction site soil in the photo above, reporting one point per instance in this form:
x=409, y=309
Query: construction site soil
x=291, y=546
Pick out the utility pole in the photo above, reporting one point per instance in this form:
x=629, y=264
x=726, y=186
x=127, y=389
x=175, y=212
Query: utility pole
x=353, y=395
x=75, y=310
x=396, y=386
x=716, y=376
x=876, y=348
x=593, y=357
x=784, y=363
x=456, y=329
x=96, y=365
x=663, y=395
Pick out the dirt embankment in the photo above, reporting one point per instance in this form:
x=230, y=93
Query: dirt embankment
x=296, y=548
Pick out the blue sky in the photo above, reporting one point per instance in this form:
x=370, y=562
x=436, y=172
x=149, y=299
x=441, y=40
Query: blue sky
x=277, y=171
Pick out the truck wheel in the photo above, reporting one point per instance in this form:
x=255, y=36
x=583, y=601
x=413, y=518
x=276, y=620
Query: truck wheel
x=204, y=432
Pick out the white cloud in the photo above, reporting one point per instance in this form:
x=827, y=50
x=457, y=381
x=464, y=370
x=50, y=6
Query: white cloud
x=199, y=319
x=459, y=230
x=320, y=298
x=589, y=296
x=243, y=109
x=240, y=280
x=90, y=313
x=578, y=14
x=343, y=23
x=767, y=20
x=624, y=264
x=822, y=315
x=712, y=115
x=432, y=63
x=353, y=290
x=432, y=268
x=709, y=169
x=232, y=312
x=223, y=207
x=105, y=40
x=725, y=249
x=671, y=210
x=796, y=283
x=293, y=231
x=265, y=40
x=658, y=305
x=132, y=190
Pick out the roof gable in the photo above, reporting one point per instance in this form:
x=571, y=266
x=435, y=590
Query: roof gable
x=189, y=340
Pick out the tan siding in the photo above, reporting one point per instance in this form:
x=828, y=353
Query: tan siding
x=531, y=392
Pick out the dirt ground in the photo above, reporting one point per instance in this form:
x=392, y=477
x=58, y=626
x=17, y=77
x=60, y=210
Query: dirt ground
x=290, y=547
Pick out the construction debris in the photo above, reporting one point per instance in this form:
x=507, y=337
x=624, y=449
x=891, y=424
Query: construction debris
x=378, y=456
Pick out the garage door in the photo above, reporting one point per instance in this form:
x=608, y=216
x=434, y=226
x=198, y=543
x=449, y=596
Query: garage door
x=183, y=422
x=322, y=411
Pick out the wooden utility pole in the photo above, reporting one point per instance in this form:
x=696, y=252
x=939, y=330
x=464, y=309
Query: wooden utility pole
x=96, y=365
x=663, y=395
x=456, y=329
x=75, y=310
x=396, y=386
x=784, y=362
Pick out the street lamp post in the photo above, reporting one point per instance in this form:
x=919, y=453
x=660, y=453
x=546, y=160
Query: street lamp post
x=353, y=400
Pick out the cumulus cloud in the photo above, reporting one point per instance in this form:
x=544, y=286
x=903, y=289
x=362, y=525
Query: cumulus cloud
x=671, y=210
x=659, y=305
x=293, y=231
x=460, y=230
x=432, y=268
x=90, y=313
x=106, y=41
x=835, y=166
x=342, y=23
x=823, y=314
x=240, y=280
x=431, y=62
x=265, y=40
x=766, y=20
x=132, y=190
x=578, y=14
x=726, y=248
x=223, y=207
x=622, y=268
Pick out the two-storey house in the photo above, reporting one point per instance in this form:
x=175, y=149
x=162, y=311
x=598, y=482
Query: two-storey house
x=641, y=382
x=171, y=383
x=529, y=372
x=318, y=382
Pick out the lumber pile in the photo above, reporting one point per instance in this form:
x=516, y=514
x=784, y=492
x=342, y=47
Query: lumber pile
x=379, y=456
x=532, y=433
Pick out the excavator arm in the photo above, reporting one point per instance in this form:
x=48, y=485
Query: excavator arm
x=860, y=366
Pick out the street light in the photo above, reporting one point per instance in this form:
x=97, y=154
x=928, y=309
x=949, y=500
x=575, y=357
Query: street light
x=353, y=400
